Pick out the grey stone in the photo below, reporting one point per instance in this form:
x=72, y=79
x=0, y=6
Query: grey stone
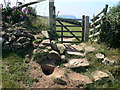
x=16, y=45
x=21, y=39
x=61, y=48
x=100, y=56
x=98, y=75
x=45, y=42
x=106, y=61
x=12, y=38
x=71, y=50
x=17, y=33
x=26, y=44
x=75, y=63
x=54, y=45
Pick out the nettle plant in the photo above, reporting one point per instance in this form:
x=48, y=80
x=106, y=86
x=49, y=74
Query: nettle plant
x=14, y=15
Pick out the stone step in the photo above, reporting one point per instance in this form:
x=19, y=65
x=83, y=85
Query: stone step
x=77, y=79
x=46, y=42
x=76, y=63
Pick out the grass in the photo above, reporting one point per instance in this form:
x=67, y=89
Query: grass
x=113, y=70
x=14, y=71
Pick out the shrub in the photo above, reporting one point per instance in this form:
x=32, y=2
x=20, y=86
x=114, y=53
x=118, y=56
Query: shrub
x=111, y=27
x=14, y=15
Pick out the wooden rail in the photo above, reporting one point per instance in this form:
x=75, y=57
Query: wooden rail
x=96, y=24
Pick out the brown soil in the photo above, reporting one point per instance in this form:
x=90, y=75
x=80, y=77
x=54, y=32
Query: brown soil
x=44, y=81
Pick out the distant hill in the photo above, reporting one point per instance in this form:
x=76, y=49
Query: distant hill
x=67, y=16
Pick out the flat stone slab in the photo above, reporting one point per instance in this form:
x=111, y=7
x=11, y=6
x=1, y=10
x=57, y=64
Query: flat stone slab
x=79, y=79
x=98, y=75
x=46, y=42
x=75, y=50
x=89, y=49
x=75, y=63
x=100, y=56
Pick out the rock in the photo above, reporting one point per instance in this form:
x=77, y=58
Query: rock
x=48, y=47
x=74, y=51
x=17, y=33
x=89, y=49
x=26, y=44
x=106, y=61
x=45, y=33
x=30, y=36
x=77, y=79
x=12, y=38
x=17, y=45
x=61, y=48
x=98, y=75
x=21, y=39
x=76, y=63
x=53, y=55
x=100, y=56
x=39, y=55
x=58, y=76
x=78, y=48
x=63, y=57
x=54, y=45
x=46, y=42
x=9, y=30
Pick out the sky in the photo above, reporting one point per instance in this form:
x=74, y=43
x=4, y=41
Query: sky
x=70, y=7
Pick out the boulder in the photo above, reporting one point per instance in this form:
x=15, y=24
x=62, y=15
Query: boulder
x=53, y=55
x=98, y=75
x=100, y=56
x=76, y=63
x=107, y=61
x=77, y=79
x=61, y=48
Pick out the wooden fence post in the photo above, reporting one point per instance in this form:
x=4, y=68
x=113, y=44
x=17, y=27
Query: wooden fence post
x=83, y=27
x=52, y=15
x=52, y=20
x=86, y=32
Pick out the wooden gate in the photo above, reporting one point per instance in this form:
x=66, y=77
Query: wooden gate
x=64, y=28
